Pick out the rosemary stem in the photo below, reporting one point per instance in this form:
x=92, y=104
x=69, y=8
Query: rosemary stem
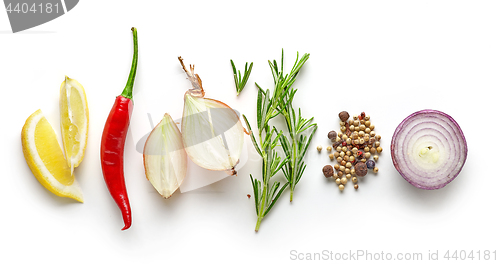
x=262, y=207
x=257, y=226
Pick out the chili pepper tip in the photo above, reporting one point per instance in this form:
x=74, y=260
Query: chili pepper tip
x=127, y=226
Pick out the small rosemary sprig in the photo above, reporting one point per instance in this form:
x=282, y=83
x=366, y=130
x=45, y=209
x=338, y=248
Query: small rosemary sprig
x=238, y=80
x=301, y=130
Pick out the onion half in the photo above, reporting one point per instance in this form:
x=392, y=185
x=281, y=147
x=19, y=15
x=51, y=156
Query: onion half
x=165, y=159
x=212, y=132
x=429, y=149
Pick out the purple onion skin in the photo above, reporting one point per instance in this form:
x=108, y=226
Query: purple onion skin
x=395, y=159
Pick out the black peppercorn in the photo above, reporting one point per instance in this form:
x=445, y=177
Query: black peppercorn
x=370, y=164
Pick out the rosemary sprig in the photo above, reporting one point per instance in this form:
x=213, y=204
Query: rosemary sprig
x=301, y=130
x=238, y=80
x=294, y=146
x=265, y=194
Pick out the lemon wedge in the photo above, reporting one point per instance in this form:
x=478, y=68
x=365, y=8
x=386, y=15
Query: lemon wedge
x=46, y=159
x=74, y=113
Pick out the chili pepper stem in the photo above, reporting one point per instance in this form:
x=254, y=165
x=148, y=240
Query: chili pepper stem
x=127, y=91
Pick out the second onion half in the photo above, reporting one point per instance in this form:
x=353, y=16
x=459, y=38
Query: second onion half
x=165, y=160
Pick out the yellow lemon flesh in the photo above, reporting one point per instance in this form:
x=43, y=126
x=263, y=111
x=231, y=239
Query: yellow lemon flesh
x=46, y=159
x=74, y=121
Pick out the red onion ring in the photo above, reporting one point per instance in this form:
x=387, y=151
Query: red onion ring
x=429, y=149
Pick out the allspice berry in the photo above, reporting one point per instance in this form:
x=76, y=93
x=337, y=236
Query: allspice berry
x=328, y=171
x=332, y=135
x=361, y=169
x=343, y=116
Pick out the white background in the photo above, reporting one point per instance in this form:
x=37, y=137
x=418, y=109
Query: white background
x=387, y=58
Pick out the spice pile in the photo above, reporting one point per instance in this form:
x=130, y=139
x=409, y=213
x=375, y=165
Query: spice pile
x=355, y=148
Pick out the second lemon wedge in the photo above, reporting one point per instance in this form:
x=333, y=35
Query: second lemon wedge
x=74, y=113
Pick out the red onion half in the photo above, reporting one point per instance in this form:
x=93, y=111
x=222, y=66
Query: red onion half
x=429, y=149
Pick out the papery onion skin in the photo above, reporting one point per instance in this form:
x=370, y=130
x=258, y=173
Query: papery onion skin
x=168, y=154
x=443, y=158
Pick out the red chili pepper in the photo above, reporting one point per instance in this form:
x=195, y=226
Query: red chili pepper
x=113, y=143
